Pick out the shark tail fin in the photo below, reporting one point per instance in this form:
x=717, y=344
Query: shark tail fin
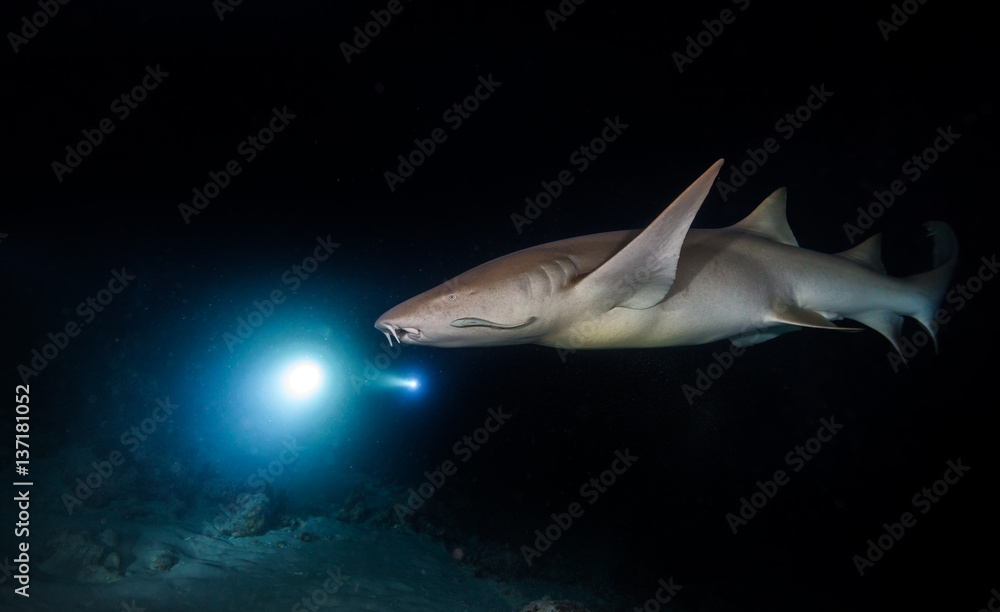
x=931, y=286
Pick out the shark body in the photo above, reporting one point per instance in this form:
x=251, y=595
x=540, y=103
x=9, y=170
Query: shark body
x=669, y=285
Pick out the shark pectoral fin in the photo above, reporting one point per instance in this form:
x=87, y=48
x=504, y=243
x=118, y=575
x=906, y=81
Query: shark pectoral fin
x=474, y=322
x=768, y=220
x=640, y=275
x=803, y=317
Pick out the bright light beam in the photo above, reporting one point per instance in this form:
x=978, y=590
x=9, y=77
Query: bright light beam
x=302, y=379
x=410, y=383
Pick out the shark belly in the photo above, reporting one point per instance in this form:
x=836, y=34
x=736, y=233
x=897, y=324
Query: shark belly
x=721, y=290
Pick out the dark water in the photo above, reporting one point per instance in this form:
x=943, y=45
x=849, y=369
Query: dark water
x=248, y=203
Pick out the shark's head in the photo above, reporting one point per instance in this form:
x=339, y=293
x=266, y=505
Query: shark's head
x=555, y=293
x=501, y=302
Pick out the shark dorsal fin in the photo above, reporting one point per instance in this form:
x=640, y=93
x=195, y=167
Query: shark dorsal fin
x=868, y=254
x=640, y=275
x=768, y=220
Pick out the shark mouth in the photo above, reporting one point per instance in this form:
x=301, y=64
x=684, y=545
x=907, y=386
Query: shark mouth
x=399, y=333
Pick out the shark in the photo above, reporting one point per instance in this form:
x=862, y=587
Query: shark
x=671, y=285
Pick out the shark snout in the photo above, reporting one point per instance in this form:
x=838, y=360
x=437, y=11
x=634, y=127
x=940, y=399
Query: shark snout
x=400, y=333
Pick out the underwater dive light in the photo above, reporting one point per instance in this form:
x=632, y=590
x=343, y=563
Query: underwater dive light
x=302, y=379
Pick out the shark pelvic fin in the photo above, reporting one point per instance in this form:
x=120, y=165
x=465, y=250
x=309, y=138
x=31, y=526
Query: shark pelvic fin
x=803, y=317
x=640, y=275
x=757, y=336
x=768, y=220
x=868, y=254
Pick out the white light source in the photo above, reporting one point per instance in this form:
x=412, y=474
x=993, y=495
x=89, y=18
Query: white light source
x=303, y=379
x=412, y=384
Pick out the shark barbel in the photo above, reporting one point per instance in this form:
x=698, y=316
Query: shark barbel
x=670, y=285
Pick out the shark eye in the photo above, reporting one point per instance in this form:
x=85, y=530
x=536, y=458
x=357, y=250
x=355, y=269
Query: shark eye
x=452, y=297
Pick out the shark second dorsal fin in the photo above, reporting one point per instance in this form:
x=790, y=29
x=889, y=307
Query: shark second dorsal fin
x=768, y=220
x=868, y=254
x=640, y=275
